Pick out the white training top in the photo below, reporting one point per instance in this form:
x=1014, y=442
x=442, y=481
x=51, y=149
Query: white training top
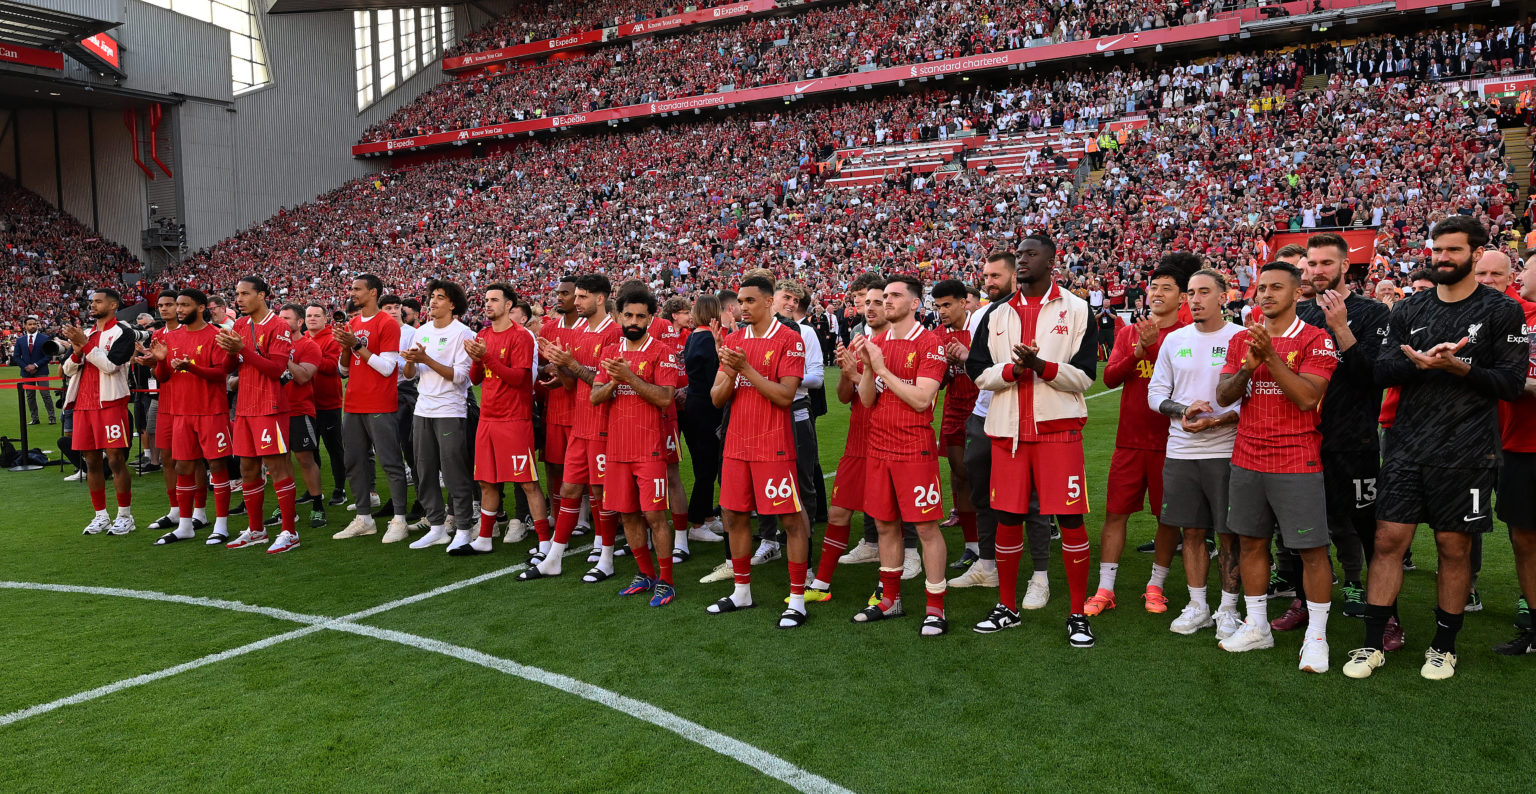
x=436, y=396
x=1188, y=368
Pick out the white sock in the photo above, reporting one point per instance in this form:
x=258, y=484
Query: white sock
x=1197, y=596
x=125, y=512
x=1228, y=601
x=605, y=560
x=221, y=525
x=797, y=602
x=461, y=537
x=820, y=585
x=433, y=535
x=1107, y=571
x=1317, y=619
x=974, y=548
x=1258, y=610
x=986, y=566
x=551, y=563
x=200, y=514
x=585, y=519
x=544, y=546
x=102, y=514
x=1040, y=576
x=175, y=514
x=481, y=543
x=400, y=517
x=679, y=540
x=742, y=595
x=184, y=529
x=1159, y=575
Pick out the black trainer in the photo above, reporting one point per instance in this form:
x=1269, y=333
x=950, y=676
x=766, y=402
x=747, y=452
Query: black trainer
x=1521, y=645
x=967, y=559
x=1001, y=617
x=338, y=498
x=1079, y=634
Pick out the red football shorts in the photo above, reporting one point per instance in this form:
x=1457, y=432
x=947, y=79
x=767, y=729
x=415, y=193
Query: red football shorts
x=102, y=428
x=163, y=431
x=669, y=432
x=767, y=486
x=952, y=431
x=903, y=490
x=1133, y=474
x=635, y=487
x=504, y=451
x=260, y=436
x=205, y=437
x=848, y=484
x=1052, y=470
x=585, y=463
x=556, y=439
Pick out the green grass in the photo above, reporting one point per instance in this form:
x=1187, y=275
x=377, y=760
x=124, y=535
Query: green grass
x=872, y=708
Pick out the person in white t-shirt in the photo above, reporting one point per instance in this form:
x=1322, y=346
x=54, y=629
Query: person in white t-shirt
x=1199, y=459
x=437, y=357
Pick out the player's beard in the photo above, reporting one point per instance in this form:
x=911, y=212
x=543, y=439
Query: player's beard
x=1462, y=270
x=634, y=333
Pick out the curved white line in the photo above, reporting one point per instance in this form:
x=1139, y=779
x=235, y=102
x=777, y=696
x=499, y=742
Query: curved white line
x=755, y=758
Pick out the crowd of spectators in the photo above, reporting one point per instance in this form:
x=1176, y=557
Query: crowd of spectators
x=822, y=42
x=532, y=22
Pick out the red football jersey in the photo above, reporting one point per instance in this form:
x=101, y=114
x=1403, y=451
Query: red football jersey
x=196, y=395
x=896, y=431
x=1517, y=420
x=857, y=445
x=165, y=388
x=664, y=331
x=960, y=393
x=560, y=403
x=88, y=398
x=1139, y=427
x=301, y=396
x=1273, y=435
x=634, y=425
x=327, y=382
x=758, y=429
x=261, y=393
x=368, y=392
x=591, y=421
x=506, y=373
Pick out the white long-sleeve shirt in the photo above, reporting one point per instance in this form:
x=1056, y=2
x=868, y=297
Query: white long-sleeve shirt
x=815, y=368
x=1188, y=368
x=438, y=397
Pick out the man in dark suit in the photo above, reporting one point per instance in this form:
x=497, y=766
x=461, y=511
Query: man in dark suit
x=33, y=358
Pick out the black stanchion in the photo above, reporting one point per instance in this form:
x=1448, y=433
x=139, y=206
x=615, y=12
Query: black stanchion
x=21, y=412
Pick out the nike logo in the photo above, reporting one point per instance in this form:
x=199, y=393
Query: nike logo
x=1071, y=502
x=1360, y=248
x=1471, y=518
x=801, y=88
x=781, y=501
x=1416, y=330
x=1080, y=562
x=999, y=333
x=447, y=434
x=1102, y=46
x=1303, y=531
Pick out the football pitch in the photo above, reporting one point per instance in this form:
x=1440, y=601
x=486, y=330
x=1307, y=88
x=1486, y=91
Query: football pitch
x=352, y=665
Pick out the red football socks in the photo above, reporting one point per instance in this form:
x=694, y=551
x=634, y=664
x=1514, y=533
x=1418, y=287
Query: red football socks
x=221, y=495
x=565, y=522
x=742, y=568
x=968, y=525
x=890, y=587
x=286, y=492
x=541, y=528
x=254, y=494
x=1074, y=555
x=488, y=524
x=99, y=499
x=796, y=577
x=833, y=544
x=186, y=492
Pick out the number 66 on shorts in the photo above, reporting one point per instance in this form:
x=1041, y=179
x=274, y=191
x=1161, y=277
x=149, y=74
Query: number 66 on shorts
x=769, y=487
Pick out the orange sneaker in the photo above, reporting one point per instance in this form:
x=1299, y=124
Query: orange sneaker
x=1098, y=602
x=1156, y=602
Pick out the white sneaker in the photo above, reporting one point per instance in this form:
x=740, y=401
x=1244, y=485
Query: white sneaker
x=704, y=534
x=122, y=525
x=78, y=476
x=1364, y=661
x=1314, y=654
x=721, y=573
x=911, y=564
x=1227, y=623
x=250, y=537
x=361, y=525
x=97, y=526
x=767, y=551
x=434, y=537
x=1037, y=594
x=975, y=577
x=1249, y=638
x=286, y=541
x=397, y=530
x=516, y=531
x=863, y=552
x=714, y=525
x=373, y=499
x=423, y=525
x=1196, y=616
x=1438, y=665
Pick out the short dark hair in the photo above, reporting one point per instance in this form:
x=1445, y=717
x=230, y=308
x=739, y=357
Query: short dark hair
x=1008, y=258
x=950, y=288
x=1185, y=261
x=197, y=296
x=453, y=291
x=1420, y=274
x=912, y=283
x=507, y=293
x=1290, y=249
x=1477, y=234
x=972, y=291
x=594, y=283
x=309, y=306
x=1329, y=240
x=675, y=304
x=865, y=280
x=725, y=296
x=637, y=295
x=372, y=281
x=1286, y=267
x=411, y=303
x=389, y=300
x=760, y=282
x=167, y=293
x=568, y=278
x=297, y=310
x=257, y=283
x=1043, y=239
x=111, y=293
x=213, y=300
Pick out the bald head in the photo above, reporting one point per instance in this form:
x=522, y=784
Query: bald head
x=1492, y=269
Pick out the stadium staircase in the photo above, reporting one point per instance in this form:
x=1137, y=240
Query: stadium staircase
x=1314, y=82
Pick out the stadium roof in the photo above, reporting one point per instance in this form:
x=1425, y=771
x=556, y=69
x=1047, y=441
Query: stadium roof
x=45, y=29
x=311, y=6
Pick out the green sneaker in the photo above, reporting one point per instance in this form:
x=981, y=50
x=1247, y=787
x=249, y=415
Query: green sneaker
x=1523, y=614
x=1354, y=600
x=316, y=519
x=1474, y=602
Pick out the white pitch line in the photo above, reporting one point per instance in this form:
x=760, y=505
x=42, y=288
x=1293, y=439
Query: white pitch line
x=1089, y=397
x=756, y=759
x=753, y=757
